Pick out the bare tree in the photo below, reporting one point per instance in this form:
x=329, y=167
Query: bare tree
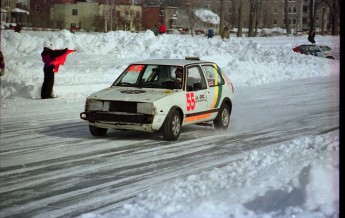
x=254, y=8
x=323, y=21
x=311, y=15
x=189, y=9
x=334, y=7
x=108, y=13
x=287, y=21
x=222, y=13
x=240, y=20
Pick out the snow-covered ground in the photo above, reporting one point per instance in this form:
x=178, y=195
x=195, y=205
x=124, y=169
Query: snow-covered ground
x=295, y=178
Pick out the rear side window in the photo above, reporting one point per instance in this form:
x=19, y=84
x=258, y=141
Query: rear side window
x=325, y=48
x=213, y=75
x=195, y=80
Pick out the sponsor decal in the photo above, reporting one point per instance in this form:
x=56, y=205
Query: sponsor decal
x=190, y=101
x=201, y=97
x=136, y=68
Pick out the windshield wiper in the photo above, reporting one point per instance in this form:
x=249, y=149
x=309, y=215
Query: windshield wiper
x=125, y=84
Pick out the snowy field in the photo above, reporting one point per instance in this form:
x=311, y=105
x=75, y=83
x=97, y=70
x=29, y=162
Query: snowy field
x=298, y=177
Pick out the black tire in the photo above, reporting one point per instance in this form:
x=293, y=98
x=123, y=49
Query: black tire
x=96, y=131
x=223, y=117
x=172, y=126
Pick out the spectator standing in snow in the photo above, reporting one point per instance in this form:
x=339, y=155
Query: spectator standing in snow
x=18, y=28
x=311, y=37
x=155, y=30
x=48, y=55
x=2, y=64
x=210, y=33
x=162, y=29
x=225, y=33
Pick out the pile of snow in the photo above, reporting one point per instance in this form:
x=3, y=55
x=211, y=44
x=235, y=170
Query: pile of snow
x=303, y=182
x=101, y=57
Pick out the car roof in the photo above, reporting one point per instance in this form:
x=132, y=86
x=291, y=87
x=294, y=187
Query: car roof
x=314, y=44
x=177, y=62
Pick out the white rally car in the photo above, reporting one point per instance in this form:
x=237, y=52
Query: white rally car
x=162, y=95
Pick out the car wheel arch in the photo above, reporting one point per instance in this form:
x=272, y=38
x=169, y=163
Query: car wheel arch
x=228, y=102
x=169, y=129
x=173, y=109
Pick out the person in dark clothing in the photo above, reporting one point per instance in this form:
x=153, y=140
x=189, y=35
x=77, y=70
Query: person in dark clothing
x=311, y=37
x=48, y=55
x=18, y=28
x=2, y=64
x=210, y=33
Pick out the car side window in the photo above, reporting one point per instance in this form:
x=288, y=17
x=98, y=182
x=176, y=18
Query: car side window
x=195, y=80
x=150, y=74
x=213, y=75
x=314, y=48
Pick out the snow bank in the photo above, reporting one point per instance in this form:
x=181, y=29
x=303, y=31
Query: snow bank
x=101, y=57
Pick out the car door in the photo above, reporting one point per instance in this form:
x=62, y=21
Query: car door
x=196, y=96
x=215, y=84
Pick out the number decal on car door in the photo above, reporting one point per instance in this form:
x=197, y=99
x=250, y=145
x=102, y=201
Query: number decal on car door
x=190, y=101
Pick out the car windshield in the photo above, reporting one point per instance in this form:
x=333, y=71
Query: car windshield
x=151, y=76
x=325, y=48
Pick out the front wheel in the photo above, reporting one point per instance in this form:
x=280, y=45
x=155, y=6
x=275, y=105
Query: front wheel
x=223, y=117
x=172, y=126
x=96, y=131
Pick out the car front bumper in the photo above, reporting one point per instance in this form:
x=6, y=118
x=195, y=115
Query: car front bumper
x=141, y=122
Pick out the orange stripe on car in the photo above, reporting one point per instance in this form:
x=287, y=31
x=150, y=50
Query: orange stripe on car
x=197, y=117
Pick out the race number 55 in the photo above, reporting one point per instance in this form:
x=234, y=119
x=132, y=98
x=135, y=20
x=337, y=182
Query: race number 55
x=190, y=101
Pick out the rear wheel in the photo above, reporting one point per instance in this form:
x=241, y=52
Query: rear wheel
x=96, y=131
x=172, y=126
x=223, y=117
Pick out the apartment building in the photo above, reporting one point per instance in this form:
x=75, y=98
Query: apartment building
x=137, y=15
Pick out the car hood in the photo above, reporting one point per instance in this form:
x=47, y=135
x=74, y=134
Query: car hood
x=131, y=94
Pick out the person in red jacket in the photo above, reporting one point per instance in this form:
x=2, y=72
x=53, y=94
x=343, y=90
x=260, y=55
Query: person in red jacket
x=162, y=29
x=48, y=56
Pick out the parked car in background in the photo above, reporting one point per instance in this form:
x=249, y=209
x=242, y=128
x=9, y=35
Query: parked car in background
x=162, y=95
x=317, y=50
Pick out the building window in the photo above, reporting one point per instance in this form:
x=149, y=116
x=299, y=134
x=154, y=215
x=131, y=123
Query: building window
x=38, y=8
x=305, y=9
x=304, y=20
x=230, y=10
x=137, y=14
x=75, y=12
x=292, y=10
x=275, y=22
x=275, y=11
x=3, y=17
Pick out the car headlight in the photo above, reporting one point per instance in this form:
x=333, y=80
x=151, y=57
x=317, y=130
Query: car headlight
x=94, y=105
x=145, y=108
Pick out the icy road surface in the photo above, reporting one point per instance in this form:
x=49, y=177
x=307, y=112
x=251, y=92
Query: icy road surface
x=52, y=167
